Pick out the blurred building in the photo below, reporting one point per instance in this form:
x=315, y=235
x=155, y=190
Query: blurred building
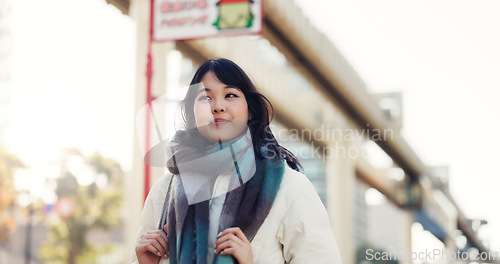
x=337, y=123
x=5, y=66
x=5, y=81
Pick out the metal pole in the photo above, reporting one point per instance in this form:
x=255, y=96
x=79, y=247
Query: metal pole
x=149, y=98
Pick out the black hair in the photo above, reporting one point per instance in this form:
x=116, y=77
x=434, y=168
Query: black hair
x=260, y=109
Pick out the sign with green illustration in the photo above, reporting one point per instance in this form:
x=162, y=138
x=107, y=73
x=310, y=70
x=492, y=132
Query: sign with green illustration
x=179, y=20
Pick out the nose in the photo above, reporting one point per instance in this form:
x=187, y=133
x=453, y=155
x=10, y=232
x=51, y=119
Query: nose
x=218, y=107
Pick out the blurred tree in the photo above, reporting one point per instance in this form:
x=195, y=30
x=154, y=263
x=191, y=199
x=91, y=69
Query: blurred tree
x=82, y=208
x=8, y=164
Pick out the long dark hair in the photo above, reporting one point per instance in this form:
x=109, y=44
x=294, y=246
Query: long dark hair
x=260, y=109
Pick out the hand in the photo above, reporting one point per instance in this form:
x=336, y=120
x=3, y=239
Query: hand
x=152, y=246
x=232, y=241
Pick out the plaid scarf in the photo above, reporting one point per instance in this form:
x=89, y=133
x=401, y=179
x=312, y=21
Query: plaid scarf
x=245, y=206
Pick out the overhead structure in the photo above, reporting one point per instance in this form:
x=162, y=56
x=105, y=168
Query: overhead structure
x=338, y=87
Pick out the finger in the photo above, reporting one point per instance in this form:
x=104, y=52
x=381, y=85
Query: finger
x=163, y=240
x=156, y=234
x=165, y=229
x=157, y=248
x=225, y=246
x=149, y=247
x=228, y=251
x=236, y=231
x=228, y=237
x=160, y=237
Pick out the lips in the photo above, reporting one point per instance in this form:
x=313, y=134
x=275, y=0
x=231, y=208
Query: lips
x=220, y=121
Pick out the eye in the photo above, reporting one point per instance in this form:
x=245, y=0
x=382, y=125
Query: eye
x=231, y=95
x=203, y=98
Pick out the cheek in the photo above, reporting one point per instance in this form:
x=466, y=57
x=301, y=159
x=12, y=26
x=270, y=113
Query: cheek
x=202, y=114
x=243, y=110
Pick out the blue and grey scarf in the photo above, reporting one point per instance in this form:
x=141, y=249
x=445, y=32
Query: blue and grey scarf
x=252, y=191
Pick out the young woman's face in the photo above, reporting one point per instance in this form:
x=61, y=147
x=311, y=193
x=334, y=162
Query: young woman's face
x=220, y=110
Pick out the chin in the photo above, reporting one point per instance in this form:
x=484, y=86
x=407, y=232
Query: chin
x=221, y=133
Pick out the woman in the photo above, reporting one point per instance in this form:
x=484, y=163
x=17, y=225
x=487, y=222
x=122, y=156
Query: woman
x=234, y=194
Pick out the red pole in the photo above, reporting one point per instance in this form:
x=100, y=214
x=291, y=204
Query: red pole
x=149, y=98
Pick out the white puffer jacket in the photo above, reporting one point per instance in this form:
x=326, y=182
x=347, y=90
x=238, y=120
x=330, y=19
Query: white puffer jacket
x=297, y=229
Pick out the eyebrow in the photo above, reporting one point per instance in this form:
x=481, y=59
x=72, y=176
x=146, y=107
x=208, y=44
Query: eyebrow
x=225, y=87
